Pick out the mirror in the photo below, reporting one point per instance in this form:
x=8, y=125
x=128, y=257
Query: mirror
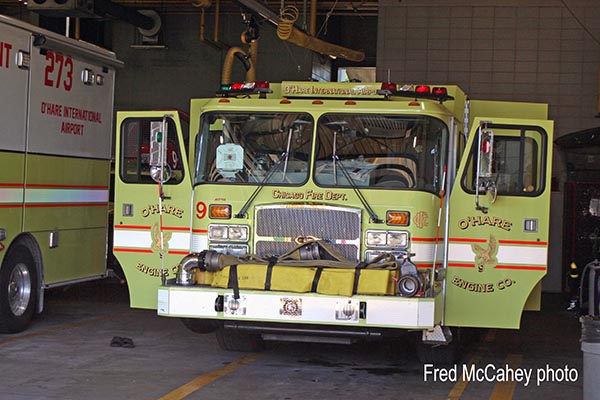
x=485, y=158
x=160, y=171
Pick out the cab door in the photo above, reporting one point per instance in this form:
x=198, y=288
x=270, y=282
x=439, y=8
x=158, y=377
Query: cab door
x=152, y=203
x=499, y=223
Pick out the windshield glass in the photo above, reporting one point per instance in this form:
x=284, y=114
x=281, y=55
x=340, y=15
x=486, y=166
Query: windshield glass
x=380, y=151
x=238, y=147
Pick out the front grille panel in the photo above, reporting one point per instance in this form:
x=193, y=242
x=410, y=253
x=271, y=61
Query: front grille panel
x=337, y=225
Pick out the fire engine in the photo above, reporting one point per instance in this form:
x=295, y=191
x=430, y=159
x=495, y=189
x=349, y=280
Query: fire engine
x=335, y=212
x=57, y=114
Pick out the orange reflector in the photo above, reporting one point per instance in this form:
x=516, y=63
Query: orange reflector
x=317, y=102
x=223, y=100
x=414, y=103
x=285, y=101
x=398, y=218
x=350, y=103
x=220, y=211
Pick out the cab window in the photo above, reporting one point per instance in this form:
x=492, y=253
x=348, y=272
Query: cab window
x=135, y=151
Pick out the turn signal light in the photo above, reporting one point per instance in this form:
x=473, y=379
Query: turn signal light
x=400, y=218
x=220, y=211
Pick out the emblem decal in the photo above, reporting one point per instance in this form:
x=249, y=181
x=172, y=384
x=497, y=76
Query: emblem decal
x=486, y=256
x=156, y=239
x=420, y=219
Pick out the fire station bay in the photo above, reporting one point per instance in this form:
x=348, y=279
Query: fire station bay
x=291, y=200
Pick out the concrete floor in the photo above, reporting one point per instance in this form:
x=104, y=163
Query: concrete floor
x=66, y=354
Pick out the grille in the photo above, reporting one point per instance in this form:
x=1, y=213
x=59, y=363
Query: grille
x=277, y=225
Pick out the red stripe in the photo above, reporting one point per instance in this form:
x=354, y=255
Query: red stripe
x=20, y=185
x=43, y=205
x=57, y=186
x=122, y=250
x=183, y=253
x=176, y=228
x=521, y=267
x=523, y=242
x=467, y=240
x=16, y=205
x=415, y=239
x=421, y=265
x=200, y=230
x=131, y=227
x=461, y=265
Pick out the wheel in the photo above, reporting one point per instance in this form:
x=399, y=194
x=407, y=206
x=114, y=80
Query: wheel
x=18, y=285
x=236, y=340
x=200, y=325
x=441, y=354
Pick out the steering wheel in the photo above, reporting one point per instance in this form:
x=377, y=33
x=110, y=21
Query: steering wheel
x=392, y=175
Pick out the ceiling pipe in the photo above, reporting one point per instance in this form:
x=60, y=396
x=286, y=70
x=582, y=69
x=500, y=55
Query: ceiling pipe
x=147, y=22
x=298, y=37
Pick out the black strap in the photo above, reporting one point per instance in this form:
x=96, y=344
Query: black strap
x=315, y=282
x=359, y=267
x=272, y=261
x=233, y=281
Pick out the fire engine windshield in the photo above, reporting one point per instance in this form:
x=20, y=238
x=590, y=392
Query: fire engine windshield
x=254, y=148
x=380, y=151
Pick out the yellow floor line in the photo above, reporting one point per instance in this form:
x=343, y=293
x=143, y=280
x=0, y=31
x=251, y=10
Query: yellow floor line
x=461, y=385
x=203, y=380
x=505, y=390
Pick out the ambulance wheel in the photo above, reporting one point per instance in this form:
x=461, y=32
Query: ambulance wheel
x=18, y=285
x=236, y=340
x=200, y=325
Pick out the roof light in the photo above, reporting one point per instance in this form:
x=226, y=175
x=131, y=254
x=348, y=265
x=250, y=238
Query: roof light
x=388, y=86
x=236, y=86
x=440, y=91
x=423, y=89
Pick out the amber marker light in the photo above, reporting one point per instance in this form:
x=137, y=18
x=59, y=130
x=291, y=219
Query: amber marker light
x=220, y=211
x=400, y=218
x=317, y=102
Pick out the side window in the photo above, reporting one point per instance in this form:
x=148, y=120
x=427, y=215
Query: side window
x=518, y=161
x=135, y=151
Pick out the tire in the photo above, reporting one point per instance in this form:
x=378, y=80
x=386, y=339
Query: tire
x=236, y=340
x=440, y=354
x=200, y=326
x=18, y=290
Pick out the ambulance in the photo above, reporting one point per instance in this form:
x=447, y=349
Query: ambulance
x=335, y=212
x=56, y=108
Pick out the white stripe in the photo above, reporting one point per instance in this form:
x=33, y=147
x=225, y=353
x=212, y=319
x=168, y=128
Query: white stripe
x=143, y=239
x=506, y=254
x=199, y=243
x=66, y=195
x=11, y=195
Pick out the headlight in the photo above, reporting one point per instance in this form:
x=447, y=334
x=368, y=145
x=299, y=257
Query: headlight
x=218, y=232
x=394, y=239
x=397, y=239
x=376, y=238
x=237, y=233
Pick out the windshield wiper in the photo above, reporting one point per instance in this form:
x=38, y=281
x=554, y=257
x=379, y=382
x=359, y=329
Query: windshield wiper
x=242, y=213
x=336, y=160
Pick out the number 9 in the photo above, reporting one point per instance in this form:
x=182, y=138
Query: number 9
x=200, y=210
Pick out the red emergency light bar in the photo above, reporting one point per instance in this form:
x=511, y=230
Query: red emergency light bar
x=417, y=92
x=244, y=88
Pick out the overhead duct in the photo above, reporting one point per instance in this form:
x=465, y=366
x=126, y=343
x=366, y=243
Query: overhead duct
x=290, y=33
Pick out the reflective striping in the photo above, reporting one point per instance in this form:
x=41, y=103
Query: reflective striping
x=69, y=196
x=138, y=237
x=11, y=195
x=524, y=255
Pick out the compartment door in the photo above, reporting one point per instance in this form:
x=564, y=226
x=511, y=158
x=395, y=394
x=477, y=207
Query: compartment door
x=141, y=214
x=499, y=222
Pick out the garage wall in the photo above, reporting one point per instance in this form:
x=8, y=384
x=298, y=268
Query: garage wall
x=524, y=50
x=189, y=68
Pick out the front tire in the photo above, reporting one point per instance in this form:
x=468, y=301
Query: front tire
x=18, y=286
x=236, y=340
